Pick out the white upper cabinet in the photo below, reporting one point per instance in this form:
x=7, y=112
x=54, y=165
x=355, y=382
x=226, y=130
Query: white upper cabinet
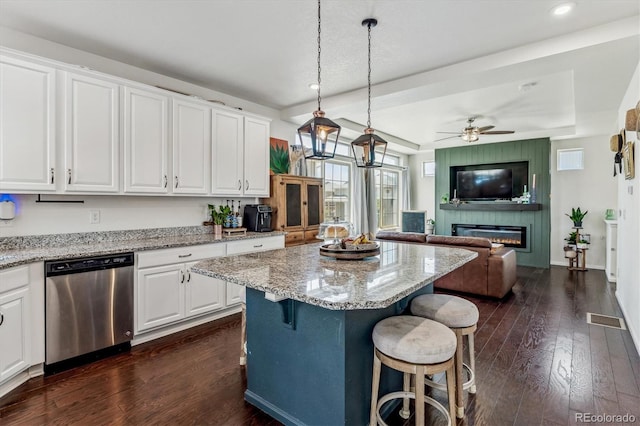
x=240, y=155
x=191, y=147
x=227, y=153
x=91, y=134
x=27, y=126
x=145, y=133
x=256, y=157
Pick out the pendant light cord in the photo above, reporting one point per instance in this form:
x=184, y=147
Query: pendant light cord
x=369, y=80
x=318, y=55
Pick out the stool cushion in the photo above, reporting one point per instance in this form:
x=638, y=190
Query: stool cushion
x=414, y=339
x=452, y=311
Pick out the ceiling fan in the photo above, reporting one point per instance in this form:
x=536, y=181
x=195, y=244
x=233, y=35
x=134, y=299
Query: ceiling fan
x=472, y=133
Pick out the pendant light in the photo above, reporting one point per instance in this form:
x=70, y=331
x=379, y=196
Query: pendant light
x=369, y=149
x=321, y=133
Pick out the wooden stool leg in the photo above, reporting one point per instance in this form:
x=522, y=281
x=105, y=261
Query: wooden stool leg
x=243, y=336
x=472, y=360
x=420, y=372
x=406, y=386
x=451, y=391
x=375, y=385
x=459, y=370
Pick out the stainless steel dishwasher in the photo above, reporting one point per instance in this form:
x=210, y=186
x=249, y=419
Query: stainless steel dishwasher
x=88, y=305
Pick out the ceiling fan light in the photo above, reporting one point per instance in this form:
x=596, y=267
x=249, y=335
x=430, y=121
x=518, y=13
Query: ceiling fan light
x=369, y=149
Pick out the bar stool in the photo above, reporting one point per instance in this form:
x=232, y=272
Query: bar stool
x=461, y=316
x=415, y=346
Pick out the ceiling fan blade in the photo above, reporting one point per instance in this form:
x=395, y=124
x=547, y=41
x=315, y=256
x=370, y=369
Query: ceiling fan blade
x=448, y=137
x=498, y=132
x=453, y=133
x=485, y=128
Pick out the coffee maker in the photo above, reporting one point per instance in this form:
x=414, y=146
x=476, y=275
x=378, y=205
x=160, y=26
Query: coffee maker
x=257, y=217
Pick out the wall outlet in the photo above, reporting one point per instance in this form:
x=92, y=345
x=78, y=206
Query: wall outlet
x=94, y=216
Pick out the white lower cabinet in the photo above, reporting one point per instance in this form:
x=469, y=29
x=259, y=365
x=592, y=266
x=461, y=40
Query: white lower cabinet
x=235, y=294
x=168, y=292
x=21, y=320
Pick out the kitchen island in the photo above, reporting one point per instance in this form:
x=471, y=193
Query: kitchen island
x=310, y=318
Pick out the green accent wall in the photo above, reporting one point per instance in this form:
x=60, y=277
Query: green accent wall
x=538, y=223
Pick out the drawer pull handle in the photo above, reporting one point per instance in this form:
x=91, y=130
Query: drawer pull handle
x=1, y=318
x=51, y=175
x=257, y=246
x=165, y=181
x=176, y=181
x=182, y=256
x=69, y=176
x=189, y=276
x=181, y=277
x=239, y=184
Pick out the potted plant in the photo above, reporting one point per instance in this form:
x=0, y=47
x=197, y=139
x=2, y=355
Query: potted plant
x=218, y=217
x=571, y=239
x=582, y=244
x=576, y=216
x=429, y=226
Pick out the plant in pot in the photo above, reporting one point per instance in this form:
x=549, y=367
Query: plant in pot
x=571, y=239
x=582, y=244
x=576, y=216
x=218, y=217
x=429, y=226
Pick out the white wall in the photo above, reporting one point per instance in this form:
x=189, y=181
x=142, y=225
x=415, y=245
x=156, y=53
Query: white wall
x=119, y=212
x=628, y=273
x=422, y=187
x=592, y=189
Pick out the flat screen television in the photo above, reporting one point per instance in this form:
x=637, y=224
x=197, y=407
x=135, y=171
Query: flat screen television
x=479, y=185
x=488, y=182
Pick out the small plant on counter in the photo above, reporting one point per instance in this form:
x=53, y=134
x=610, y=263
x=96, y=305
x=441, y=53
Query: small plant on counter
x=218, y=217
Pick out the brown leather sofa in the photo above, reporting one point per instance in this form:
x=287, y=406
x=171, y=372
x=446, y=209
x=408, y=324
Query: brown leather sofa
x=492, y=273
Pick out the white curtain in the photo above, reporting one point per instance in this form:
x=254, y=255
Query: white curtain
x=406, y=190
x=359, y=205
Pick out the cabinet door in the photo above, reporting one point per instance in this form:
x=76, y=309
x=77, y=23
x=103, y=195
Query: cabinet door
x=293, y=208
x=191, y=147
x=14, y=332
x=160, y=296
x=313, y=210
x=146, y=128
x=203, y=294
x=27, y=126
x=227, y=153
x=256, y=157
x=235, y=294
x=91, y=134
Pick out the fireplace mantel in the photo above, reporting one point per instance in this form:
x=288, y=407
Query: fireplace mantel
x=491, y=206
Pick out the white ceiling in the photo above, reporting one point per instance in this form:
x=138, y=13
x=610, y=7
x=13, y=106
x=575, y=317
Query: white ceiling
x=435, y=62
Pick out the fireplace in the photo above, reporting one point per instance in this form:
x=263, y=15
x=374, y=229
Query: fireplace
x=510, y=236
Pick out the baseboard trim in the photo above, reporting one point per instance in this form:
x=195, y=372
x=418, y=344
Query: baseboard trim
x=150, y=335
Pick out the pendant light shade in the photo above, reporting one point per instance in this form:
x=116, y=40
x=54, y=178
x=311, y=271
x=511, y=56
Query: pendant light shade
x=369, y=149
x=319, y=136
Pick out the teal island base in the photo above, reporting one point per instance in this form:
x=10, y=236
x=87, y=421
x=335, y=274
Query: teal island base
x=308, y=365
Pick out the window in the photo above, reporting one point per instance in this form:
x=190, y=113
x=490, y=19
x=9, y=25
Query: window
x=570, y=159
x=387, y=198
x=337, y=187
x=428, y=168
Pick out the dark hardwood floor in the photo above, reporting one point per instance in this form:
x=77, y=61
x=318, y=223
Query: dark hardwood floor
x=537, y=363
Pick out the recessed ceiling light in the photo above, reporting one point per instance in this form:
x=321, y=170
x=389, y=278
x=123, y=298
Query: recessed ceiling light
x=313, y=86
x=562, y=9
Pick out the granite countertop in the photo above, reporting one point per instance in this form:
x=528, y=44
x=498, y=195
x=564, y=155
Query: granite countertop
x=302, y=274
x=15, y=251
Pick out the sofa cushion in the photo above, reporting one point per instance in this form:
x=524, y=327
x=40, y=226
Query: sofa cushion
x=407, y=237
x=459, y=241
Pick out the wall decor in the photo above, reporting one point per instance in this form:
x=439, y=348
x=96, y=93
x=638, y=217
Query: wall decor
x=628, y=160
x=279, y=156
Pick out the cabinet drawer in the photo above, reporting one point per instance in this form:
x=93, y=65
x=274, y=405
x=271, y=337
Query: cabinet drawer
x=250, y=246
x=179, y=255
x=14, y=278
x=293, y=238
x=310, y=236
